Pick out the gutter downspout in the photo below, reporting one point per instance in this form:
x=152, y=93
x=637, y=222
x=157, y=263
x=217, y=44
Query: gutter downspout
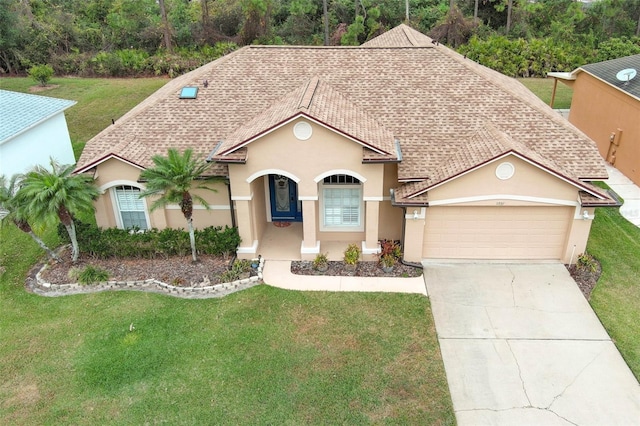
x=233, y=213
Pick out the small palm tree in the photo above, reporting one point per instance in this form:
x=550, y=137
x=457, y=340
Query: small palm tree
x=172, y=178
x=58, y=195
x=11, y=209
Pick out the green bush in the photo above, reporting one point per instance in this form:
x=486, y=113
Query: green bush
x=153, y=243
x=352, y=254
x=41, y=73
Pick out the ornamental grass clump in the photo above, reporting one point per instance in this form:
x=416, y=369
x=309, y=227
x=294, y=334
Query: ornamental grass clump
x=89, y=275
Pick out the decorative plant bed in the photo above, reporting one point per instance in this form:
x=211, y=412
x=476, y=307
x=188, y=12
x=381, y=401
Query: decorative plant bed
x=363, y=269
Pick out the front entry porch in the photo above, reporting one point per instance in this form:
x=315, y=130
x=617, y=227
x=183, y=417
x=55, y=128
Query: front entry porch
x=283, y=243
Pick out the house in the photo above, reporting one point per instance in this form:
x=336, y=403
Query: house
x=400, y=138
x=606, y=106
x=33, y=129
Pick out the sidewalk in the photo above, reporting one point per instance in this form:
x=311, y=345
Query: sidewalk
x=624, y=187
x=277, y=273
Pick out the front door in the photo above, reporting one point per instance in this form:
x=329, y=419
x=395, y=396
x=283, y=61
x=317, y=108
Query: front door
x=284, y=199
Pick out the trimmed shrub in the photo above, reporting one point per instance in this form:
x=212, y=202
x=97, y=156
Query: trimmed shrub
x=151, y=244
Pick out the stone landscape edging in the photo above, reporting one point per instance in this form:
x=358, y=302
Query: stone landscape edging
x=44, y=288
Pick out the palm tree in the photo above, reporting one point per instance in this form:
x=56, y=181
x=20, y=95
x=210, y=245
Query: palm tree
x=58, y=195
x=11, y=209
x=172, y=178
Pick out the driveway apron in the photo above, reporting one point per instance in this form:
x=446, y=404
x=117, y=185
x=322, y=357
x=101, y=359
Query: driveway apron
x=522, y=346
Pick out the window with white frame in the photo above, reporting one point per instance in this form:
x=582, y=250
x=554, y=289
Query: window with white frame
x=131, y=207
x=342, y=204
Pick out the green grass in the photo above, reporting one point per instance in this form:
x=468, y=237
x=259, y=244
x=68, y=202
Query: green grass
x=615, y=242
x=99, y=100
x=261, y=356
x=543, y=88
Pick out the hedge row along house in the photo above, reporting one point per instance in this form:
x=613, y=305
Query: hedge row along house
x=400, y=138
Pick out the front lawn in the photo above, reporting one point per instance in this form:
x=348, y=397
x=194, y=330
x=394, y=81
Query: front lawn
x=615, y=242
x=261, y=356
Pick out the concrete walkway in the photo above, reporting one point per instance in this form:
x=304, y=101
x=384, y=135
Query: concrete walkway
x=277, y=273
x=624, y=187
x=522, y=346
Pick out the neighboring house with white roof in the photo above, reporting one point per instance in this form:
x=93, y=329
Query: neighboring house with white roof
x=399, y=138
x=606, y=106
x=33, y=129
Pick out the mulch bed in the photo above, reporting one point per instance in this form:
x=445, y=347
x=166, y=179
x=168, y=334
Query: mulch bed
x=178, y=271
x=364, y=269
x=181, y=271
x=585, y=277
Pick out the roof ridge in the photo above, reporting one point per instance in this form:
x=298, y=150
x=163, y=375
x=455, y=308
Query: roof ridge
x=409, y=36
x=308, y=92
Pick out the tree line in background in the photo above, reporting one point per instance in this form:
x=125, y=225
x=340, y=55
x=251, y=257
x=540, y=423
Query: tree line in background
x=169, y=37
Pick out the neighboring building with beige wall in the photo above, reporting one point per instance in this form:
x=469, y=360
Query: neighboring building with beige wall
x=357, y=144
x=606, y=106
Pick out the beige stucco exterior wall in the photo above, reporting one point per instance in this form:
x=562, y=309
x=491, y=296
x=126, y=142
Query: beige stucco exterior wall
x=390, y=226
x=306, y=162
x=528, y=181
x=605, y=113
x=325, y=151
x=258, y=205
x=114, y=172
x=529, y=186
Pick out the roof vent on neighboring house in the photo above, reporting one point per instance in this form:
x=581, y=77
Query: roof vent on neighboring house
x=626, y=75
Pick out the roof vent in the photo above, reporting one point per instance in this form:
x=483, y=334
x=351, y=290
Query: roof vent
x=189, y=93
x=626, y=75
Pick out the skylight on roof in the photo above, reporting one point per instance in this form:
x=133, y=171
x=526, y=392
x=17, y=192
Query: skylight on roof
x=188, y=93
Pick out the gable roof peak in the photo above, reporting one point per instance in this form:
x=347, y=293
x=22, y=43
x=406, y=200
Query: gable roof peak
x=317, y=101
x=400, y=36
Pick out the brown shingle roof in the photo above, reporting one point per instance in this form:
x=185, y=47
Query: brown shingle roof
x=485, y=145
x=428, y=97
x=318, y=101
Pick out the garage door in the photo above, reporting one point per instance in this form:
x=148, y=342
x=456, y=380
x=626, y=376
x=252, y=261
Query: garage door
x=496, y=232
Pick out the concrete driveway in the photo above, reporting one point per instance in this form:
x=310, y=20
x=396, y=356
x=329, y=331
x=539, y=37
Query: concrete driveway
x=522, y=346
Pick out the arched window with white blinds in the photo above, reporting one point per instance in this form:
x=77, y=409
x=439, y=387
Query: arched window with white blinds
x=131, y=207
x=341, y=204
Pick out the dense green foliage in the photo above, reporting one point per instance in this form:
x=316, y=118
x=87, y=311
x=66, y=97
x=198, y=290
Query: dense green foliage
x=121, y=243
x=125, y=37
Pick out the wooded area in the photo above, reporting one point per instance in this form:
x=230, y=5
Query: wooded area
x=157, y=37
